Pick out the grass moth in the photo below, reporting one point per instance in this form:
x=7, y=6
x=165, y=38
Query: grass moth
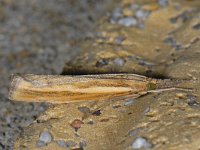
x=67, y=89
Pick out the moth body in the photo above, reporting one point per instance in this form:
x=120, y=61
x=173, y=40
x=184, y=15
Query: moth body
x=66, y=89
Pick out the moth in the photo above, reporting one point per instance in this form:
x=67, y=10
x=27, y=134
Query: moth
x=68, y=89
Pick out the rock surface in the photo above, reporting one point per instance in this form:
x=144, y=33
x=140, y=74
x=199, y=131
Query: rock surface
x=163, y=43
x=36, y=37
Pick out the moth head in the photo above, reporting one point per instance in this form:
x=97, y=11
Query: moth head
x=151, y=86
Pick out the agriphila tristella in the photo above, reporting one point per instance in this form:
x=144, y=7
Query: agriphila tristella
x=66, y=89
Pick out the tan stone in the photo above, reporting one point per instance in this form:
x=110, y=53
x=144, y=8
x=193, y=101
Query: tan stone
x=169, y=120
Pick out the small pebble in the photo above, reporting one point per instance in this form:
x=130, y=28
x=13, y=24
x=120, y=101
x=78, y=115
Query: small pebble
x=116, y=14
x=102, y=62
x=178, y=46
x=61, y=143
x=174, y=20
x=170, y=40
x=97, y=113
x=40, y=143
x=147, y=110
x=76, y=124
x=70, y=143
x=84, y=109
x=141, y=142
x=141, y=14
x=180, y=95
x=163, y=3
x=129, y=102
x=128, y=21
x=173, y=43
x=145, y=63
x=83, y=144
x=183, y=16
x=119, y=61
x=192, y=101
x=104, y=120
x=91, y=122
x=133, y=132
x=141, y=62
x=119, y=40
x=45, y=137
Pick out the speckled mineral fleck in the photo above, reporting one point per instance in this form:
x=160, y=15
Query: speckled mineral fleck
x=70, y=143
x=133, y=132
x=128, y=102
x=119, y=61
x=128, y=21
x=61, y=143
x=45, y=137
x=141, y=142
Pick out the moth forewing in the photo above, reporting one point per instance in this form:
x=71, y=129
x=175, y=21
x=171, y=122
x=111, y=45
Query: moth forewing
x=66, y=89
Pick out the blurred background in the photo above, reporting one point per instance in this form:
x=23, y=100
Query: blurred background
x=35, y=37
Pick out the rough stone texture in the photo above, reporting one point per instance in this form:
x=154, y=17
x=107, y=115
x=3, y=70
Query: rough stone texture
x=36, y=37
x=165, y=43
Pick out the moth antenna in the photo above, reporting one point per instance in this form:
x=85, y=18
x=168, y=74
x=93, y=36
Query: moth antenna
x=172, y=84
x=171, y=89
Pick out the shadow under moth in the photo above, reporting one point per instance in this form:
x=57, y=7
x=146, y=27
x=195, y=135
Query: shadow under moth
x=67, y=89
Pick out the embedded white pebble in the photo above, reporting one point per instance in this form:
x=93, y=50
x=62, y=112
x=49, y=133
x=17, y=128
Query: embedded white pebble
x=45, y=137
x=128, y=102
x=141, y=142
x=142, y=14
x=119, y=61
x=128, y=21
